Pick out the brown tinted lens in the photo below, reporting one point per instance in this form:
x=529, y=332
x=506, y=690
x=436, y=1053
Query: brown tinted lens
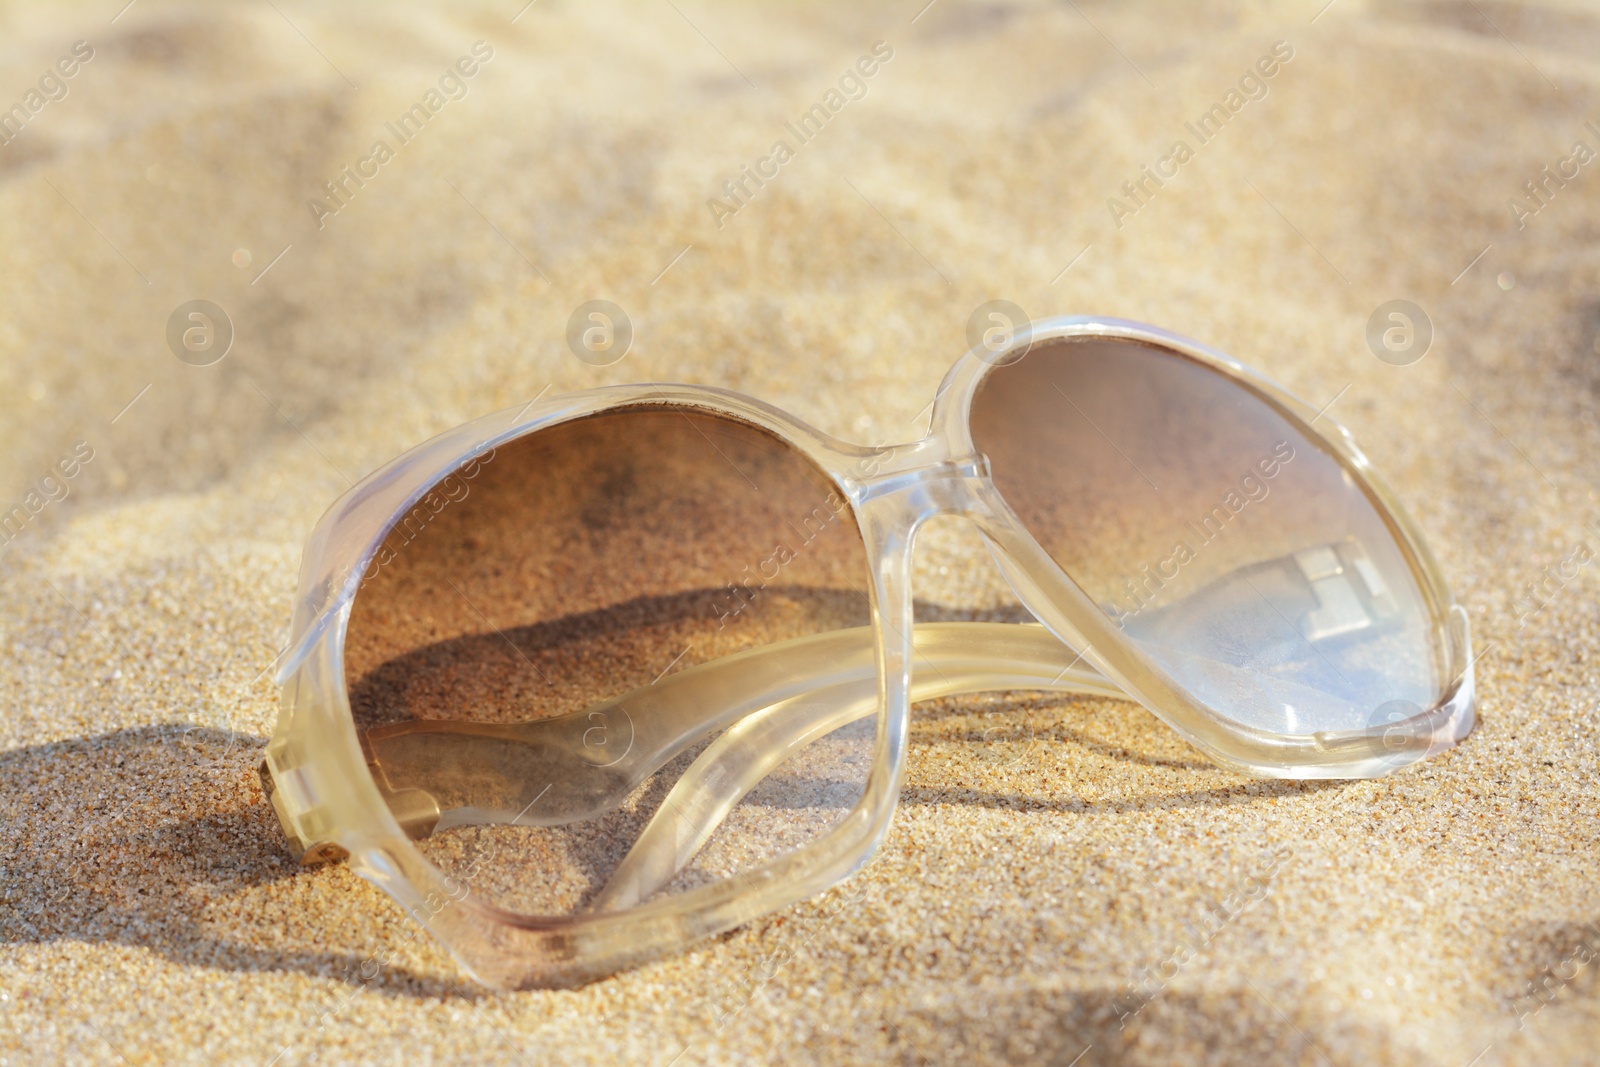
x=1234, y=548
x=570, y=567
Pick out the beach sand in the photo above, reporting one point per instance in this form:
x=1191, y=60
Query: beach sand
x=1049, y=854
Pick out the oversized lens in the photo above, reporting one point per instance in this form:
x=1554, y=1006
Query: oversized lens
x=1237, y=551
x=539, y=655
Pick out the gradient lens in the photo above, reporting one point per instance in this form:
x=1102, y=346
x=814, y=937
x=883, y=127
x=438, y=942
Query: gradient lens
x=1235, y=550
x=517, y=654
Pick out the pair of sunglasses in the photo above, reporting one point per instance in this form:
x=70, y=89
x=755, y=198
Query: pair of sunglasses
x=581, y=683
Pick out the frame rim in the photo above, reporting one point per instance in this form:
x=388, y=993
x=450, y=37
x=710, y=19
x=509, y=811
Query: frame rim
x=330, y=798
x=1259, y=753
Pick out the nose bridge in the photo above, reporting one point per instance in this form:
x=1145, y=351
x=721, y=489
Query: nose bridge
x=925, y=483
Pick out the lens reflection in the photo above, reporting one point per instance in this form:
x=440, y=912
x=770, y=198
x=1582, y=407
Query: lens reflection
x=1237, y=551
x=514, y=651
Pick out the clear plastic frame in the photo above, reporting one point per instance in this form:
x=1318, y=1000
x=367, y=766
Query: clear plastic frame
x=1272, y=603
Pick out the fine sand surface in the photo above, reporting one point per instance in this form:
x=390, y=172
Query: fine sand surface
x=1048, y=853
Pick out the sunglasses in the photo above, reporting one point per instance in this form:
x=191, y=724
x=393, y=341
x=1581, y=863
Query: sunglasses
x=581, y=683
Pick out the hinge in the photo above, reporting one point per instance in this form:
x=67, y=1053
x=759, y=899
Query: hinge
x=302, y=850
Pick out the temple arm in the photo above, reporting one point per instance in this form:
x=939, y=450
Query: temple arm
x=755, y=746
x=442, y=773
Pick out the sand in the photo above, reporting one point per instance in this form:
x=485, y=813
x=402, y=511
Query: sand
x=1050, y=856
